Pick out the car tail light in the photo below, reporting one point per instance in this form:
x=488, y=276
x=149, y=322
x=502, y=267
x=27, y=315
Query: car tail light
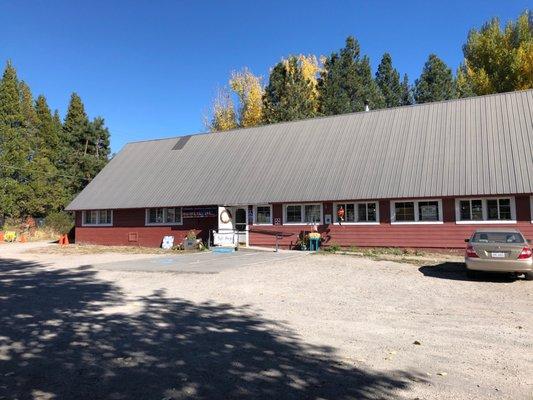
x=525, y=253
x=470, y=252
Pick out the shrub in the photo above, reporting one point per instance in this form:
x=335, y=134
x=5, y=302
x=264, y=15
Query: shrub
x=191, y=235
x=332, y=248
x=61, y=222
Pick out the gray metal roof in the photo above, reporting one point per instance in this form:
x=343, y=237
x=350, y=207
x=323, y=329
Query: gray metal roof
x=475, y=146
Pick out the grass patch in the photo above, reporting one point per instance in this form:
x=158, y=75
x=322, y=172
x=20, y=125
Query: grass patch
x=396, y=254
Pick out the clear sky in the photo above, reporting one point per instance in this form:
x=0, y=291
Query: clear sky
x=151, y=68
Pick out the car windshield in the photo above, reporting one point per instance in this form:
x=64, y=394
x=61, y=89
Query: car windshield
x=497, y=237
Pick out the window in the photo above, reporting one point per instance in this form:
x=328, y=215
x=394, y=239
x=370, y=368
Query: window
x=491, y=210
x=499, y=209
x=366, y=212
x=163, y=216
x=416, y=211
x=312, y=213
x=471, y=210
x=404, y=211
x=97, y=217
x=303, y=213
x=293, y=214
x=263, y=215
x=428, y=211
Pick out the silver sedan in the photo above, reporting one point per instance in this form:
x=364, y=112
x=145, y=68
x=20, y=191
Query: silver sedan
x=499, y=250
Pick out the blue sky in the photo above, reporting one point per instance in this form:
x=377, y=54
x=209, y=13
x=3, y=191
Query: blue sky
x=151, y=68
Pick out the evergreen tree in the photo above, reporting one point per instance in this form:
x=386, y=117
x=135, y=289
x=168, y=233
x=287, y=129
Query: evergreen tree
x=14, y=147
x=41, y=164
x=76, y=124
x=407, y=93
x=369, y=90
x=289, y=96
x=388, y=80
x=435, y=83
x=76, y=137
x=88, y=149
x=49, y=152
x=49, y=133
x=346, y=83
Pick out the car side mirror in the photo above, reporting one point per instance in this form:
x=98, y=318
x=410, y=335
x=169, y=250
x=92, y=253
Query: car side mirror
x=467, y=240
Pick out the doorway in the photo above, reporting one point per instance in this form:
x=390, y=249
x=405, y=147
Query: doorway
x=241, y=225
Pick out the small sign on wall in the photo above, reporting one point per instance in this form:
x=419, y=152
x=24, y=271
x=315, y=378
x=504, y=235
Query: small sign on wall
x=277, y=221
x=224, y=239
x=327, y=219
x=168, y=242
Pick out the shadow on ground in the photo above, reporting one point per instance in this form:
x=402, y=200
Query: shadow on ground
x=457, y=271
x=58, y=340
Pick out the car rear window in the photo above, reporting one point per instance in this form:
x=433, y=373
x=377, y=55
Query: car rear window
x=497, y=237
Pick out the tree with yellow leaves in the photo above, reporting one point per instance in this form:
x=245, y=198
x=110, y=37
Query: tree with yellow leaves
x=249, y=90
x=498, y=60
x=223, y=118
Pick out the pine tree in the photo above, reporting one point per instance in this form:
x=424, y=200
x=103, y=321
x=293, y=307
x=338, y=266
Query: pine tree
x=76, y=124
x=289, y=96
x=407, y=93
x=82, y=161
x=49, y=184
x=436, y=82
x=15, y=192
x=369, y=93
x=49, y=133
x=346, y=83
x=388, y=80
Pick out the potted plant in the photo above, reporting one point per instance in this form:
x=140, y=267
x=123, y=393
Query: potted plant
x=190, y=241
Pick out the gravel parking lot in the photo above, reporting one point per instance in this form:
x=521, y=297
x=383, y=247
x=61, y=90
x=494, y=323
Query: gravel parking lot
x=314, y=327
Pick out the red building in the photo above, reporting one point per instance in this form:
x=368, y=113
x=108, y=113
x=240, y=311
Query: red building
x=417, y=176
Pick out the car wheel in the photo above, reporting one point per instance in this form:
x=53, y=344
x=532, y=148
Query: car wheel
x=528, y=276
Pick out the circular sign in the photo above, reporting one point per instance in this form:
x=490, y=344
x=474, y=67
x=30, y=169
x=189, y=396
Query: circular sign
x=225, y=216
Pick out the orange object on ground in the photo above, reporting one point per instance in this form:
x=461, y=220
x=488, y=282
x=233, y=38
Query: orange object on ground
x=65, y=240
x=23, y=239
x=60, y=241
x=1, y=236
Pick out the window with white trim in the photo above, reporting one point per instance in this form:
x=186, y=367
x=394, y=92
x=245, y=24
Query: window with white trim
x=97, y=217
x=416, y=211
x=163, y=216
x=302, y=213
x=485, y=210
x=263, y=215
x=360, y=212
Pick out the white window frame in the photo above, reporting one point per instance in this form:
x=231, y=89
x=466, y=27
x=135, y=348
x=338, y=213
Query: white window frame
x=255, y=214
x=417, y=216
x=302, y=213
x=83, y=223
x=147, y=217
x=484, y=211
x=356, y=210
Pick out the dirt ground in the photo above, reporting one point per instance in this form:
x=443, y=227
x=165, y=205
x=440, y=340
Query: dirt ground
x=311, y=327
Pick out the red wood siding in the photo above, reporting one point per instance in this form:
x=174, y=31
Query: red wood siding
x=445, y=235
x=449, y=234
x=132, y=221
